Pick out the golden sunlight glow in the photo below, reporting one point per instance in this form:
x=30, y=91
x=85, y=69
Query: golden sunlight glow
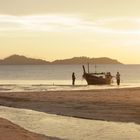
x=57, y=30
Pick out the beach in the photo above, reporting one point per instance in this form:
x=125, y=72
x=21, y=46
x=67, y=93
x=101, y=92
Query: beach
x=10, y=131
x=106, y=105
x=122, y=105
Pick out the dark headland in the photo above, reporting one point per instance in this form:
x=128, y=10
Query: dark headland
x=23, y=60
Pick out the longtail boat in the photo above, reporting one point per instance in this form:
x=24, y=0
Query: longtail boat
x=97, y=78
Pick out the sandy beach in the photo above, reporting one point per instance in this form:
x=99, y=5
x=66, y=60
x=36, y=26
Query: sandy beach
x=109, y=105
x=10, y=131
x=117, y=105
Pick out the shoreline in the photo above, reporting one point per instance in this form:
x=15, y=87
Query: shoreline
x=69, y=128
x=77, y=90
x=15, y=88
x=117, y=105
x=11, y=131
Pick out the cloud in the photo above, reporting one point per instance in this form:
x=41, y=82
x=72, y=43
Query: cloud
x=56, y=23
x=37, y=23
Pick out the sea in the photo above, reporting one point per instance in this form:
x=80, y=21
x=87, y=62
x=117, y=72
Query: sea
x=15, y=78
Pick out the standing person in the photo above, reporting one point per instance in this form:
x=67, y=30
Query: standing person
x=118, y=78
x=73, y=78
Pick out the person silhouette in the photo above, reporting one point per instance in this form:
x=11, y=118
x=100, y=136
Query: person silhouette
x=73, y=78
x=118, y=78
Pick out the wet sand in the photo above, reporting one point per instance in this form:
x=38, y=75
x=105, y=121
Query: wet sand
x=70, y=128
x=117, y=105
x=10, y=131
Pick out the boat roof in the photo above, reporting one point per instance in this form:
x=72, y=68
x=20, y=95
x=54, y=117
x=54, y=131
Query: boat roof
x=98, y=73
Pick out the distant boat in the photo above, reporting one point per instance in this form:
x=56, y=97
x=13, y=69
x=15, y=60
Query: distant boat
x=97, y=78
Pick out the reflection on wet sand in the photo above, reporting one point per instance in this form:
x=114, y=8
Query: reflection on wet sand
x=68, y=127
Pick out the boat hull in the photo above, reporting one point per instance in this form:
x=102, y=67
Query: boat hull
x=95, y=80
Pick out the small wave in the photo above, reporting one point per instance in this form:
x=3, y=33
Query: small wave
x=5, y=89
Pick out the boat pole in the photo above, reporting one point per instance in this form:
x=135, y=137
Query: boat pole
x=84, y=69
x=88, y=67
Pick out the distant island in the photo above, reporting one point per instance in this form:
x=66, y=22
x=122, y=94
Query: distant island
x=23, y=60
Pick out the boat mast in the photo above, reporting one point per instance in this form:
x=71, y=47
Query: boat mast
x=95, y=67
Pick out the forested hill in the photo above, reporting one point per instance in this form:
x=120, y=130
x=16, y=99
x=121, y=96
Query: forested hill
x=22, y=60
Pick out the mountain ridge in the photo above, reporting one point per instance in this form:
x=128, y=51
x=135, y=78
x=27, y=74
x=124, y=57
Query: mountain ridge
x=23, y=60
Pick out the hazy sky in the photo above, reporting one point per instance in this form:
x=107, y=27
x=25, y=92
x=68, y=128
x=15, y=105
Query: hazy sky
x=57, y=29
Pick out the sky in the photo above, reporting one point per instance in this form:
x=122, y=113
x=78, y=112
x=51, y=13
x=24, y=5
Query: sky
x=58, y=29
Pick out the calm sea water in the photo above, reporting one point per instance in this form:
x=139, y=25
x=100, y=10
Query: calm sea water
x=58, y=77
